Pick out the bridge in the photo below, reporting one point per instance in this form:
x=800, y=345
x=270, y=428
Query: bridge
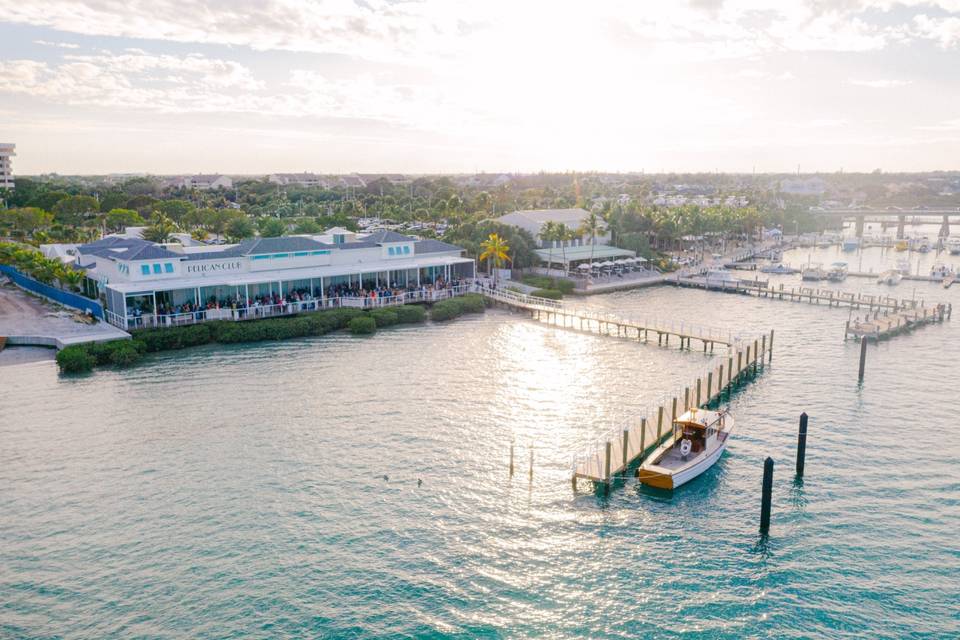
x=860, y=214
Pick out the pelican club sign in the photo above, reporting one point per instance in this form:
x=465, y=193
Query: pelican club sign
x=213, y=267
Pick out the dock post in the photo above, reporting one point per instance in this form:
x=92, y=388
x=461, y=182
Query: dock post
x=802, y=444
x=573, y=481
x=659, y=422
x=756, y=355
x=626, y=442
x=740, y=363
x=710, y=386
x=686, y=398
x=606, y=464
x=766, y=494
x=531, y=463
x=763, y=347
x=674, y=410
x=729, y=376
x=863, y=356
x=698, y=392
x=511, y=459
x=770, y=347
x=643, y=435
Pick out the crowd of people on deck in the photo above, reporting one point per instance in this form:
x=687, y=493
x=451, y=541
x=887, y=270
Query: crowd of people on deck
x=274, y=301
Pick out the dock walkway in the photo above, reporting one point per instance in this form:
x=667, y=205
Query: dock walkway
x=879, y=326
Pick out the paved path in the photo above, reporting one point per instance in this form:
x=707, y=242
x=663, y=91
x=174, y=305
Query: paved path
x=31, y=320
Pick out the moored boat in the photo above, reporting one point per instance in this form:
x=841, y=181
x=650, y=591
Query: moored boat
x=953, y=246
x=940, y=272
x=890, y=277
x=837, y=272
x=812, y=271
x=698, y=440
x=902, y=245
x=903, y=266
x=851, y=244
x=780, y=268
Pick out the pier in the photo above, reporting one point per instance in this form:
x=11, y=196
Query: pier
x=879, y=326
x=811, y=295
x=630, y=442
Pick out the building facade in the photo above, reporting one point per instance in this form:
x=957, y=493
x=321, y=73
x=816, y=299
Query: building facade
x=7, y=151
x=147, y=284
x=205, y=181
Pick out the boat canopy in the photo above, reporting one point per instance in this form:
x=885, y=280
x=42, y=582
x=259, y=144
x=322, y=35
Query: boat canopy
x=699, y=418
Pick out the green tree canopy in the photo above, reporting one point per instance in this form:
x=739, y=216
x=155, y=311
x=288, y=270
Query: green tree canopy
x=74, y=209
x=117, y=219
x=240, y=228
x=273, y=228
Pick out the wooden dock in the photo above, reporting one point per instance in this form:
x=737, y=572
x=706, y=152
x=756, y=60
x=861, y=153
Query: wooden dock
x=561, y=314
x=811, y=295
x=615, y=453
x=879, y=326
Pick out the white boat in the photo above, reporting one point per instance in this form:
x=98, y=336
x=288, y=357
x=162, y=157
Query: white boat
x=903, y=266
x=837, y=272
x=698, y=440
x=812, y=271
x=940, y=272
x=890, y=277
x=778, y=268
x=851, y=244
x=721, y=275
x=921, y=245
x=953, y=246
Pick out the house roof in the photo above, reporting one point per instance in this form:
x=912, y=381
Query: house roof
x=119, y=248
x=386, y=236
x=434, y=246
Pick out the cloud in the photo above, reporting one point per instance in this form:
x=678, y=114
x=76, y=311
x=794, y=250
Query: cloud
x=945, y=31
x=61, y=45
x=879, y=84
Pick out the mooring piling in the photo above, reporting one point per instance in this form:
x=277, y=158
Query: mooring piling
x=863, y=356
x=511, y=459
x=766, y=493
x=531, y=463
x=802, y=444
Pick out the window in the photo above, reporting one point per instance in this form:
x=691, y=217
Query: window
x=145, y=269
x=156, y=267
x=406, y=249
x=338, y=238
x=265, y=256
x=300, y=254
x=320, y=253
x=168, y=267
x=391, y=251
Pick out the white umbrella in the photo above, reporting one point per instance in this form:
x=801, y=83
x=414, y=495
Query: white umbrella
x=583, y=266
x=606, y=264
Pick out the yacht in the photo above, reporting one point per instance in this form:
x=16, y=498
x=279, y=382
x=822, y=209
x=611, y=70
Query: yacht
x=953, y=246
x=851, y=244
x=837, y=272
x=779, y=268
x=941, y=272
x=721, y=276
x=903, y=266
x=698, y=440
x=891, y=277
x=812, y=271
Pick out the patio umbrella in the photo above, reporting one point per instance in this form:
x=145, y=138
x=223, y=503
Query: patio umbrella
x=583, y=266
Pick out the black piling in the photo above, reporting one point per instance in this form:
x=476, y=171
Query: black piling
x=863, y=356
x=765, y=495
x=802, y=444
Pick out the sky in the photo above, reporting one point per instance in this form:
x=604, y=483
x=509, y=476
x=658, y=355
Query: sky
x=456, y=86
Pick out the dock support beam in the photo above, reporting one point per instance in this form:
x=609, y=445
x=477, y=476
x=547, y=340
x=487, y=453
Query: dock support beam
x=766, y=493
x=802, y=444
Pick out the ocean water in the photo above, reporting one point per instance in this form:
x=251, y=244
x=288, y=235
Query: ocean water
x=271, y=491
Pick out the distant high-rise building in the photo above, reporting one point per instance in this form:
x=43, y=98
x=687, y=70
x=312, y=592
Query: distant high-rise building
x=6, y=171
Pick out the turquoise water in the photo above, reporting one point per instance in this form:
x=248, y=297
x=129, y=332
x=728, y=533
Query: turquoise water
x=240, y=492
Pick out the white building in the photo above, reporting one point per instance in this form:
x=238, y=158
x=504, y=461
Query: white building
x=300, y=179
x=532, y=220
x=147, y=284
x=803, y=186
x=205, y=181
x=6, y=170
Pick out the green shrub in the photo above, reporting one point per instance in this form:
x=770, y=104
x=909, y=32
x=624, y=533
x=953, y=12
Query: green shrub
x=384, y=317
x=75, y=359
x=125, y=353
x=410, y=314
x=453, y=307
x=551, y=294
x=362, y=325
x=563, y=285
x=472, y=303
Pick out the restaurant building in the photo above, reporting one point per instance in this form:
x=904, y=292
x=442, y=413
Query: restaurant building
x=149, y=284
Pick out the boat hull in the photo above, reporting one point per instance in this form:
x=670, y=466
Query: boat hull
x=674, y=479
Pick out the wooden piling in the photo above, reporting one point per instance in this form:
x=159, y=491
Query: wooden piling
x=802, y=444
x=606, y=463
x=626, y=441
x=765, y=496
x=710, y=385
x=643, y=435
x=511, y=459
x=686, y=398
x=659, y=423
x=531, y=463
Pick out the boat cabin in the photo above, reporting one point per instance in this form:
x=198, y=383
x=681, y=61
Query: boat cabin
x=701, y=427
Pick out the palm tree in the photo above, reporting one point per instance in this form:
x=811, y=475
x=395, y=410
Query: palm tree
x=495, y=252
x=565, y=234
x=591, y=226
x=549, y=232
x=161, y=228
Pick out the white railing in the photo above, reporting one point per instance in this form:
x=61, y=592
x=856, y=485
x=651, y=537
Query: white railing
x=699, y=332
x=257, y=311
